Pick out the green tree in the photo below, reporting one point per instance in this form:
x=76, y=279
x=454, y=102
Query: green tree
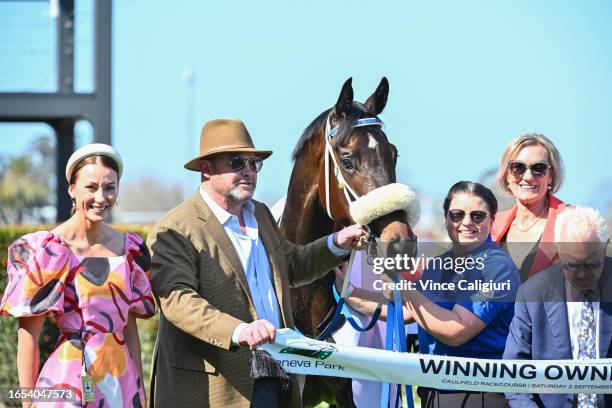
x=20, y=189
x=27, y=180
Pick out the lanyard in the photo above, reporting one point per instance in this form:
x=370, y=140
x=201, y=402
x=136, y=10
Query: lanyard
x=395, y=340
x=87, y=385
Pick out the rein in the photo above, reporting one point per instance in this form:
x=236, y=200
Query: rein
x=329, y=152
x=331, y=328
x=395, y=341
x=369, y=243
x=395, y=338
x=395, y=335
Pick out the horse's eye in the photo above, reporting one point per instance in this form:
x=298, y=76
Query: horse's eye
x=347, y=163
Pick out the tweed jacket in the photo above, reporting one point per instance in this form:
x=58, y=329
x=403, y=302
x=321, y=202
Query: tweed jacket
x=203, y=294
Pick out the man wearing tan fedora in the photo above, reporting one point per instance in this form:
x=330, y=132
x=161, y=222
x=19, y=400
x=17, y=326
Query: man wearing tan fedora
x=221, y=274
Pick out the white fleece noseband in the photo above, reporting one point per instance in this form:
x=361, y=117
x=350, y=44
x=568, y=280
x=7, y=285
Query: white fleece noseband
x=385, y=200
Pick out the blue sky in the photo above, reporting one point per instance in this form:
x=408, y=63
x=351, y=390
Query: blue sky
x=465, y=78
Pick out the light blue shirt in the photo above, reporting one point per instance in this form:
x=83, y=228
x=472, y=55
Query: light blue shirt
x=254, y=259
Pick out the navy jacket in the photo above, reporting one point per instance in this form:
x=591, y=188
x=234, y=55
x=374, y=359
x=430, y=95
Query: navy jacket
x=540, y=330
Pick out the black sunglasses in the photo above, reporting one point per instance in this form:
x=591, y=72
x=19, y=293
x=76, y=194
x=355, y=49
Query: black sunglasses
x=238, y=163
x=588, y=265
x=477, y=217
x=519, y=168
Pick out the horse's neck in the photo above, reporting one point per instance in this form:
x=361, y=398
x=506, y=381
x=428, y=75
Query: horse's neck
x=303, y=218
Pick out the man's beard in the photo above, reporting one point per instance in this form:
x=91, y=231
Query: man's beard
x=235, y=194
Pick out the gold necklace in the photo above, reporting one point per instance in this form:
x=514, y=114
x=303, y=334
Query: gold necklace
x=539, y=218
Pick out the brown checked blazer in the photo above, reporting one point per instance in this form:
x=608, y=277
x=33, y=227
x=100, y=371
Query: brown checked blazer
x=202, y=292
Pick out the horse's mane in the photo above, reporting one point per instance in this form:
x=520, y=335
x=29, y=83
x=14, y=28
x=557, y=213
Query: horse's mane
x=310, y=132
x=356, y=111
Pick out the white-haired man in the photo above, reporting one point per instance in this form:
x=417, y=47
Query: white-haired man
x=565, y=312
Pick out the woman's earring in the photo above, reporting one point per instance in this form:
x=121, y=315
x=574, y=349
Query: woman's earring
x=550, y=186
x=73, y=201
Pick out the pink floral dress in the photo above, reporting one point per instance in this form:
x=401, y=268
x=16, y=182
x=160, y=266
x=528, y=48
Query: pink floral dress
x=90, y=299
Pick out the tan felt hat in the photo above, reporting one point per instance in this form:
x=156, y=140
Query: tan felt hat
x=225, y=135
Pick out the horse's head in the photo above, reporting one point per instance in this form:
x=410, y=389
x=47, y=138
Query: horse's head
x=361, y=160
x=358, y=183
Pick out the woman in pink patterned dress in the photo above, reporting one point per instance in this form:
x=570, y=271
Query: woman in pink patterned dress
x=92, y=280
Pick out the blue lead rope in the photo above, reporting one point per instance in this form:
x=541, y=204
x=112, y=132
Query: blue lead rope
x=340, y=309
x=395, y=336
x=331, y=328
x=349, y=316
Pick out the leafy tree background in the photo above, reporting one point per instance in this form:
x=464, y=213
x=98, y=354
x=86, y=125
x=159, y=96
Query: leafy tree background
x=27, y=183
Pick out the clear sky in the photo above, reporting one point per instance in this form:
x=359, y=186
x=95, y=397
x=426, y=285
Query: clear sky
x=465, y=78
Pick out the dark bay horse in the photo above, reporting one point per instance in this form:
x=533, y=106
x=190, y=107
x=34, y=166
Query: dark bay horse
x=366, y=160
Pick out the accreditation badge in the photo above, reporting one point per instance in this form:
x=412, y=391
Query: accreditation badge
x=88, y=388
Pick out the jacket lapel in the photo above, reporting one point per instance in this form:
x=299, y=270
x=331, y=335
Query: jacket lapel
x=556, y=313
x=270, y=240
x=605, y=330
x=216, y=231
x=605, y=311
x=547, y=251
x=502, y=223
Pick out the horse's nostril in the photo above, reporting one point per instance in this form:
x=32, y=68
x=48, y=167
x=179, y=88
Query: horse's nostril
x=397, y=247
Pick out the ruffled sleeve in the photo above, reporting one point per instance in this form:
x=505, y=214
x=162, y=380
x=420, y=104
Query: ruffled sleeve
x=38, y=267
x=141, y=302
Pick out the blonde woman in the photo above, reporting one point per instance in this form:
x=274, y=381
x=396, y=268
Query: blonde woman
x=532, y=171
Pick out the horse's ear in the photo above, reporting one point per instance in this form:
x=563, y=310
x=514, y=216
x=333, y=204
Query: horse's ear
x=345, y=100
x=378, y=100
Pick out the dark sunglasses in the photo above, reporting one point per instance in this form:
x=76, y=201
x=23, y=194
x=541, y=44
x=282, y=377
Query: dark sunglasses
x=238, y=163
x=588, y=265
x=519, y=168
x=477, y=217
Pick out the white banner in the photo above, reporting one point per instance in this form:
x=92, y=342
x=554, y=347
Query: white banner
x=301, y=355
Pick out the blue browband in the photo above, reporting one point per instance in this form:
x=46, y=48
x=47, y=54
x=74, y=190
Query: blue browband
x=360, y=123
